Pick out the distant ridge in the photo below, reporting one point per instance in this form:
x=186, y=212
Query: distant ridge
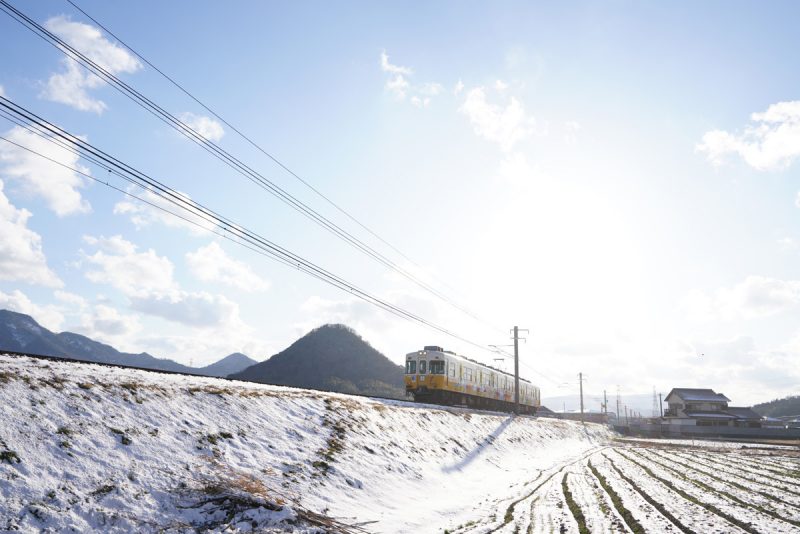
x=787, y=406
x=21, y=333
x=230, y=364
x=332, y=357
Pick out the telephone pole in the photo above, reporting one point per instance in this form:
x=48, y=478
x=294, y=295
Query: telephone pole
x=516, y=370
x=605, y=403
x=661, y=404
x=517, y=330
x=580, y=383
x=619, y=415
x=655, y=405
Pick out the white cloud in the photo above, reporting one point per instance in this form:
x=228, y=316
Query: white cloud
x=458, y=88
x=57, y=185
x=430, y=89
x=502, y=124
x=72, y=299
x=754, y=297
x=399, y=85
x=146, y=279
x=394, y=69
x=420, y=102
x=72, y=84
x=500, y=85
x=205, y=126
x=771, y=143
x=21, y=256
x=212, y=264
x=143, y=214
x=106, y=323
x=48, y=316
x=2, y=91
x=118, y=264
x=198, y=309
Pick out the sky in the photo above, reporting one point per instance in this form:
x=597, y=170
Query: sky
x=621, y=179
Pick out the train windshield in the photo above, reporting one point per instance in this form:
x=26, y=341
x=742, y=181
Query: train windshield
x=411, y=367
x=437, y=368
x=422, y=364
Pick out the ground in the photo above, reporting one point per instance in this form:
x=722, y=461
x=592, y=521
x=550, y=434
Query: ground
x=87, y=448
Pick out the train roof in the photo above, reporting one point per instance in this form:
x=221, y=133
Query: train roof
x=451, y=353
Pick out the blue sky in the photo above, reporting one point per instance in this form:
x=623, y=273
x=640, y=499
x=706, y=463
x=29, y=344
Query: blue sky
x=620, y=178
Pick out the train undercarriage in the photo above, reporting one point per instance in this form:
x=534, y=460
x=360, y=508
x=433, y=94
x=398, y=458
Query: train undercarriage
x=450, y=398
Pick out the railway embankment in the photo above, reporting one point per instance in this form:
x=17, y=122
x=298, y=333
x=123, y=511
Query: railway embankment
x=104, y=449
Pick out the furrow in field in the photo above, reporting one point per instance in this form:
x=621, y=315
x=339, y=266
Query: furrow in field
x=598, y=511
x=765, y=489
x=551, y=512
x=698, y=514
x=789, y=468
x=636, y=508
x=740, y=503
x=732, y=466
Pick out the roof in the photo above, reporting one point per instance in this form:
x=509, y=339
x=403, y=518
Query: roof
x=710, y=415
x=703, y=395
x=743, y=413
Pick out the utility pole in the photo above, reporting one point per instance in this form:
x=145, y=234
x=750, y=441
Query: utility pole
x=605, y=403
x=655, y=405
x=516, y=367
x=661, y=404
x=516, y=370
x=619, y=414
x=627, y=421
x=580, y=382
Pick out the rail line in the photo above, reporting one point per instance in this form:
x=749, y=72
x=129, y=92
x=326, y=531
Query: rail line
x=69, y=359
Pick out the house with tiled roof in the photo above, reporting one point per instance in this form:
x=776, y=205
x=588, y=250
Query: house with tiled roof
x=705, y=407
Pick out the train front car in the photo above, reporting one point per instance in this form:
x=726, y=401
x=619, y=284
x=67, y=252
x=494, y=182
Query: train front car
x=434, y=375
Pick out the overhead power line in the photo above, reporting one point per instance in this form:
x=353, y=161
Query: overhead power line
x=221, y=154
x=220, y=224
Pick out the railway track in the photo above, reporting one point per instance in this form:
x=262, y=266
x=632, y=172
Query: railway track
x=238, y=380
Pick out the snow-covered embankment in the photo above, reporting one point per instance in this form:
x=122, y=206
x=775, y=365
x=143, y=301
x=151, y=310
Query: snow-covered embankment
x=102, y=449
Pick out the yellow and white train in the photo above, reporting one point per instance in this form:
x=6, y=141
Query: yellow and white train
x=438, y=376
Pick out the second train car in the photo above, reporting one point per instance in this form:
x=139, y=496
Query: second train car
x=440, y=376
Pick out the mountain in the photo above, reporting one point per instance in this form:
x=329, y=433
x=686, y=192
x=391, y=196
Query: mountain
x=779, y=407
x=333, y=358
x=230, y=364
x=21, y=333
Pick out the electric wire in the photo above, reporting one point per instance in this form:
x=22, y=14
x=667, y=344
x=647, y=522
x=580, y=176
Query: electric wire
x=221, y=154
x=248, y=139
x=132, y=175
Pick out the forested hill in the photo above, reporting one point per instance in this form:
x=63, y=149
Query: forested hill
x=779, y=407
x=333, y=358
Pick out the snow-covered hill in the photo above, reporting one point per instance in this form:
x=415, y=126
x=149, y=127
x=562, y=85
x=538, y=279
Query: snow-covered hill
x=91, y=448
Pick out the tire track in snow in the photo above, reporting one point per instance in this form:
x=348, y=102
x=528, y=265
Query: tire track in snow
x=509, y=514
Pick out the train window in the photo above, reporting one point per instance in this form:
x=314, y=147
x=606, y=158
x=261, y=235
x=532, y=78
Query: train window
x=437, y=368
x=411, y=367
x=422, y=367
x=452, y=370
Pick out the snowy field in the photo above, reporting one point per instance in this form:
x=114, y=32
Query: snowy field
x=664, y=486
x=87, y=448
